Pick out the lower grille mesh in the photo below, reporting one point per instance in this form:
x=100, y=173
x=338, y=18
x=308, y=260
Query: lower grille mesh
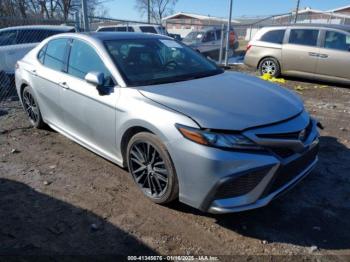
x=241, y=185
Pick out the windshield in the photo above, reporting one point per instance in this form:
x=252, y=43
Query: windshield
x=158, y=61
x=194, y=36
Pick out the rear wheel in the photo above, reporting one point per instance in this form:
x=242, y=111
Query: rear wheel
x=152, y=169
x=31, y=107
x=270, y=66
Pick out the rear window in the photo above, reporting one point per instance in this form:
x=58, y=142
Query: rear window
x=306, y=37
x=148, y=29
x=275, y=36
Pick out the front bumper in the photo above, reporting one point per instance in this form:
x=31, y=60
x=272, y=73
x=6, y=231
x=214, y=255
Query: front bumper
x=219, y=181
x=277, y=180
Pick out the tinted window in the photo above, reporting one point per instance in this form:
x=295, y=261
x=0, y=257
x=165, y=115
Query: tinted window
x=218, y=34
x=83, y=59
x=303, y=37
x=125, y=29
x=275, y=36
x=8, y=37
x=156, y=61
x=55, y=54
x=31, y=36
x=209, y=36
x=338, y=41
x=107, y=29
x=148, y=29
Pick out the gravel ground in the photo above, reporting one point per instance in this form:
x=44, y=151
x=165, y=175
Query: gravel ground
x=58, y=198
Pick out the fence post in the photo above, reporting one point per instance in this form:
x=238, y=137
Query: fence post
x=85, y=17
x=77, y=21
x=222, y=43
x=228, y=34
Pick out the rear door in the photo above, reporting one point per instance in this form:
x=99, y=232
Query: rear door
x=47, y=77
x=334, y=57
x=300, y=52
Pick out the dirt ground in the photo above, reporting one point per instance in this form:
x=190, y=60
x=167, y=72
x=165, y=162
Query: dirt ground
x=58, y=198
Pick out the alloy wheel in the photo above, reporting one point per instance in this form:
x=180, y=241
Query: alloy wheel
x=30, y=106
x=269, y=67
x=148, y=169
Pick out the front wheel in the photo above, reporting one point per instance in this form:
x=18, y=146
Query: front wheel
x=152, y=169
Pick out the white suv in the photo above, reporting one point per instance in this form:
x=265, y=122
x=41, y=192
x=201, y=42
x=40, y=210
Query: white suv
x=140, y=28
x=17, y=41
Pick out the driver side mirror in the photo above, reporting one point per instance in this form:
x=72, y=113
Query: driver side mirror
x=95, y=78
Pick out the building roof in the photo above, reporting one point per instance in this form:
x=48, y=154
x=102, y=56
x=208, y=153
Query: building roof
x=199, y=17
x=340, y=8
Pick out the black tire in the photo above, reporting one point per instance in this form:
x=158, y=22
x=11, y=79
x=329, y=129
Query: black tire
x=270, y=65
x=156, y=180
x=31, y=107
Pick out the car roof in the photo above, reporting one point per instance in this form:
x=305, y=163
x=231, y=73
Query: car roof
x=104, y=36
x=43, y=27
x=331, y=26
x=124, y=25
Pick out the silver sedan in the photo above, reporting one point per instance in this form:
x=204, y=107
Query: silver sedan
x=218, y=141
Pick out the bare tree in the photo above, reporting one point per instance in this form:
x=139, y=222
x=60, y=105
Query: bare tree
x=48, y=9
x=158, y=9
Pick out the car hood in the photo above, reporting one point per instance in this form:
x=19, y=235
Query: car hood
x=228, y=101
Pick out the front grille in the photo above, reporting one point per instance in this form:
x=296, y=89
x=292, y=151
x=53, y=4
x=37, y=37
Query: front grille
x=291, y=135
x=288, y=172
x=241, y=185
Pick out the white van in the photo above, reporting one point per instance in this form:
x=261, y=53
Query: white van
x=140, y=28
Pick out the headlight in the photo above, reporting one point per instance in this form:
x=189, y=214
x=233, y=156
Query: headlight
x=233, y=141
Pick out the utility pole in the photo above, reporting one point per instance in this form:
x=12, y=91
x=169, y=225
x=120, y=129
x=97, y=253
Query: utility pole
x=297, y=12
x=149, y=11
x=228, y=34
x=85, y=17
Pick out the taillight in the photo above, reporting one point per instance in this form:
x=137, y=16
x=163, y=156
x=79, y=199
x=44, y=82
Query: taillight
x=248, y=47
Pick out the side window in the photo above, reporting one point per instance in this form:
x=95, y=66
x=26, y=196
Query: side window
x=27, y=36
x=148, y=29
x=107, y=29
x=8, y=37
x=338, y=41
x=218, y=34
x=83, y=59
x=275, y=36
x=209, y=36
x=306, y=37
x=124, y=29
x=55, y=54
x=41, y=55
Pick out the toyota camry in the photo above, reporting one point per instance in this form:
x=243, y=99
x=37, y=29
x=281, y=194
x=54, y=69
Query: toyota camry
x=185, y=129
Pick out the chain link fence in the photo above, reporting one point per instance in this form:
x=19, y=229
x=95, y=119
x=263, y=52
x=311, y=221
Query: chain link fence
x=18, y=36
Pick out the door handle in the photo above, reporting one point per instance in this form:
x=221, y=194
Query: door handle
x=323, y=55
x=63, y=85
x=34, y=72
x=313, y=54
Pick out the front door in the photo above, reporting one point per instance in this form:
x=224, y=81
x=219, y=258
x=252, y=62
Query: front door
x=334, y=57
x=89, y=116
